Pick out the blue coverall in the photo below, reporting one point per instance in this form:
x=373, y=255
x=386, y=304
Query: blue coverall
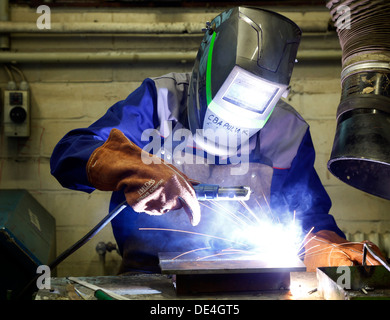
x=283, y=147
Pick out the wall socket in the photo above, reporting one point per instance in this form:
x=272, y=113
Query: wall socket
x=16, y=113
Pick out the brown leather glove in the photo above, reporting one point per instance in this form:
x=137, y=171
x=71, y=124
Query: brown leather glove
x=153, y=188
x=327, y=249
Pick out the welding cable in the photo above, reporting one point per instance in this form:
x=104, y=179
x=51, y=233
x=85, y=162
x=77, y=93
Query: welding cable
x=89, y=235
x=111, y=215
x=19, y=72
x=9, y=73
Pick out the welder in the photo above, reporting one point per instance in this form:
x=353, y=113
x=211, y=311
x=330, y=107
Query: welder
x=153, y=147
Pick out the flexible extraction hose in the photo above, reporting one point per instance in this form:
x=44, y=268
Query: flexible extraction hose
x=363, y=29
x=361, y=150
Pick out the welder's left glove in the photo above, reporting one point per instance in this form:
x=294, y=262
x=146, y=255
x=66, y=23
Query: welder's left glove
x=150, y=185
x=327, y=249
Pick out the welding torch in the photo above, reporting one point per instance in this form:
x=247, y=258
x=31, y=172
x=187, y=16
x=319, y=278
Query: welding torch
x=203, y=192
x=215, y=192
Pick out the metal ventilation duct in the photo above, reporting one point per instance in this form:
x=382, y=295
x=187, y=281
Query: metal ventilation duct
x=361, y=151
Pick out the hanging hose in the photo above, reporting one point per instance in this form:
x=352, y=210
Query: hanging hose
x=361, y=150
x=363, y=28
x=74, y=247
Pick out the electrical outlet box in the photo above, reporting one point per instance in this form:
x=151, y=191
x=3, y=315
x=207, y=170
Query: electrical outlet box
x=16, y=113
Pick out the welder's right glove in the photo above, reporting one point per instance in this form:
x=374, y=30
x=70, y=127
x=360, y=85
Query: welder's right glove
x=153, y=187
x=327, y=249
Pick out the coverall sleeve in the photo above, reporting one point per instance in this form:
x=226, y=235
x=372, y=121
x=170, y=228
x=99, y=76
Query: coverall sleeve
x=132, y=116
x=299, y=189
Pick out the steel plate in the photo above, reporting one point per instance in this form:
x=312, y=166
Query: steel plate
x=232, y=273
x=354, y=283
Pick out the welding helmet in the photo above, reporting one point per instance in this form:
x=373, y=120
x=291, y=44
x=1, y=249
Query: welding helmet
x=242, y=69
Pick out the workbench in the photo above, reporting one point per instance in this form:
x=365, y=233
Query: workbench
x=160, y=287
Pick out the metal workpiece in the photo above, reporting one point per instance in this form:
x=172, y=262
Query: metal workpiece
x=354, y=283
x=216, y=273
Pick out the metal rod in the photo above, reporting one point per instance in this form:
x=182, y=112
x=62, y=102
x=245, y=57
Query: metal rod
x=104, y=27
x=93, y=57
x=4, y=17
x=366, y=248
x=126, y=56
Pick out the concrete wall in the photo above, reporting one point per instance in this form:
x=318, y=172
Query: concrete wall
x=65, y=96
